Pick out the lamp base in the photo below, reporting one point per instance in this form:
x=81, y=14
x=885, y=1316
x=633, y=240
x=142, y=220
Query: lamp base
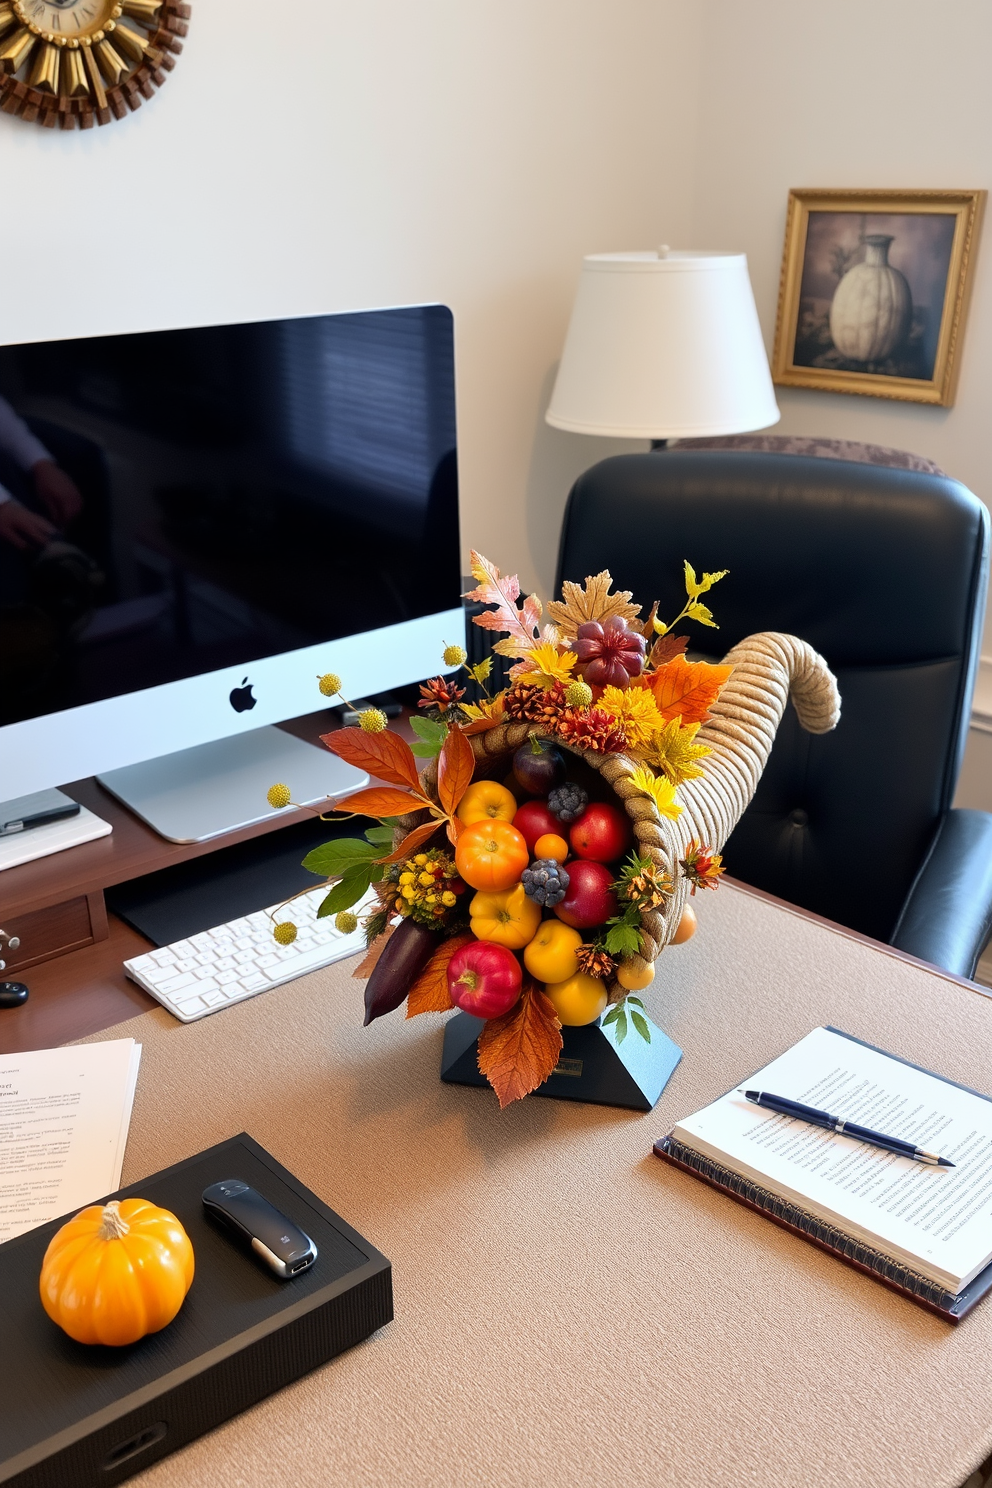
x=594, y=1066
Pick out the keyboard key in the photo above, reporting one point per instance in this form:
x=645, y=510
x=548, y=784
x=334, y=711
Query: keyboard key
x=214, y=999
x=191, y=1005
x=224, y=963
x=172, y=985
x=225, y=978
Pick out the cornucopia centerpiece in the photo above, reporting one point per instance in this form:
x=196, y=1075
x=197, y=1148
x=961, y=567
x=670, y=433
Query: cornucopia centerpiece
x=534, y=870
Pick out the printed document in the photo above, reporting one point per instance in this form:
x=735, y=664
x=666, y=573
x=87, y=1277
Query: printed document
x=64, y=1116
x=938, y=1221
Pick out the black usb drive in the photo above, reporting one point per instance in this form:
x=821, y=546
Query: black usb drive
x=242, y=1211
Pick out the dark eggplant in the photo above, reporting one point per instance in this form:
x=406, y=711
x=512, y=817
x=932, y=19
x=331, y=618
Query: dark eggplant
x=406, y=953
x=538, y=766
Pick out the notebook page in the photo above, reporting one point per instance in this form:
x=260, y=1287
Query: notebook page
x=64, y=1116
x=936, y=1220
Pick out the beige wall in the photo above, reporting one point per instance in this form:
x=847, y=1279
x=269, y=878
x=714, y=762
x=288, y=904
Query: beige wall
x=854, y=93
x=468, y=151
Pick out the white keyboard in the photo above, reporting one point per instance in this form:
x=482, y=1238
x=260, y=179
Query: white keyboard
x=220, y=967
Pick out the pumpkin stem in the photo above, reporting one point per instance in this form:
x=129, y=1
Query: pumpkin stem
x=113, y=1226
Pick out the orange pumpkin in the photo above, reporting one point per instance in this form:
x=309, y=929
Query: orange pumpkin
x=491, y=855
x=486, y=800
x=116, y=1272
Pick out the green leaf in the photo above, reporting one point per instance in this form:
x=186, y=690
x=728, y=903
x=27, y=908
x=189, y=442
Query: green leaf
x=612, y=1015
x=332, y=859
x=380, y=836
x=428, y=728
x=427, y=751
x=623, y=939
x=621, y=1025
x=641, y=1024
x=635, y=1000
x=348, y=892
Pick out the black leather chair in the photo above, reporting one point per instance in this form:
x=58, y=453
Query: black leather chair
x=885, y=572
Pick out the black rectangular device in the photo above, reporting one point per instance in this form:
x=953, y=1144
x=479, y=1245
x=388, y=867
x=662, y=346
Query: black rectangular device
x=75, y=1416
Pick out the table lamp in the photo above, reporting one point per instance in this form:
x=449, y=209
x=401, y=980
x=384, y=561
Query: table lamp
x=663, y=345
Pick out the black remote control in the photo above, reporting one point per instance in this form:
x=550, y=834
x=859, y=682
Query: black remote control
x=256, y=1223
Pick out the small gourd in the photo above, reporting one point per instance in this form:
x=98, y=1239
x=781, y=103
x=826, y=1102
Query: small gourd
x=116, y=1272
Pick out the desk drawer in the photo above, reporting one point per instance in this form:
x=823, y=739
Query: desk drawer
x=46, y=933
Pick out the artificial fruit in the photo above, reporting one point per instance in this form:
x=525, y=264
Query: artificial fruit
x=589, y=900
x=484, y=979
x=508, y=918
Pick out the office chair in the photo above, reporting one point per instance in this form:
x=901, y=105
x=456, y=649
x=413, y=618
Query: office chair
x=885, y=572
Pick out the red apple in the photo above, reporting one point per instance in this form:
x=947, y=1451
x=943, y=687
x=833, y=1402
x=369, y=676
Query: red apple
x=589, y=900
x=534, y=820
x=484, y=979
x=602, y=833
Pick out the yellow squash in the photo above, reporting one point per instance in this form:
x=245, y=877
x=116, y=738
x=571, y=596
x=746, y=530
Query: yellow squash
x=116, y=1272
x=507, y=918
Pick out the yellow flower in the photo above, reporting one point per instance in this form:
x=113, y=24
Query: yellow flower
x=662, y=792
x=329, y=684
x=448, y=898
x=455, y=656
x=406, y=878
x=427, y=879
x=372, y=721
x=408, y=891
x=278, y=796
x=549, y=666
x=285, y=933
x=637, y=713
x=420, y=859
x=346, y=922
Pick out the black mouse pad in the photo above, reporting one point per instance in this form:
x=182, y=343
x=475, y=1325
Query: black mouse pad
x=180, y=901
x=89, y=1414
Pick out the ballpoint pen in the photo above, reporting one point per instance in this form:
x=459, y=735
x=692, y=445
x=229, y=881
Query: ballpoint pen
x=843, y=1128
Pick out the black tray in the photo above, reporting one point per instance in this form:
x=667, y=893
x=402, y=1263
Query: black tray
x=74, y=1415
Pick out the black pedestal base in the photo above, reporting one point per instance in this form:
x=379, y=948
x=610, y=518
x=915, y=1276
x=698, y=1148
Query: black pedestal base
x=593, y=1066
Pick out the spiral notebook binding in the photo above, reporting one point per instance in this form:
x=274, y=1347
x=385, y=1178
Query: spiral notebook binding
x=786, y=1212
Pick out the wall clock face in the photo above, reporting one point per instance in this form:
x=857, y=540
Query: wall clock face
x=85, y=62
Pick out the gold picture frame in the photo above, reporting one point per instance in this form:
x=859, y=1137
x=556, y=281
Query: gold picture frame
x=884, y=329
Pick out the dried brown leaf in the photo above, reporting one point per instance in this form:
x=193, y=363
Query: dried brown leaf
x=665, y=647
x=593, y=601
x=411, y=842
x=375, y=950
x=518, y=1052
x=429, y=993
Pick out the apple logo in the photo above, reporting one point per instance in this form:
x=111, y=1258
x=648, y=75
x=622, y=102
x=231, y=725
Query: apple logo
x=241, y=699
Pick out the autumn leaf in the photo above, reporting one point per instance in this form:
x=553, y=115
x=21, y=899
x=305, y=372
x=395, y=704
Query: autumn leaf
x=687, y=689
x=455, y=767
x=429, y=993
x=503, y=591
x=411, y=842
x=382, y=800
x=366, y=966
x=676, y=751
x=665, y=647
x=384, y=755
x=518, y=1052
x=593, y=601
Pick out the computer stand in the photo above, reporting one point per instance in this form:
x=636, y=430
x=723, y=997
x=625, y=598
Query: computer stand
x=197, y=794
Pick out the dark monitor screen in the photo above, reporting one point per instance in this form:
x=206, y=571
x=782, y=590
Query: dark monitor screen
x=194, y=499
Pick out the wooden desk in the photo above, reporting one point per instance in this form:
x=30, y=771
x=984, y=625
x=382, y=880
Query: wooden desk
x=569, y=1310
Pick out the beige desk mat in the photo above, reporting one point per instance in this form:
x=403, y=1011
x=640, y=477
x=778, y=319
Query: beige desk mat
x=570, y=1310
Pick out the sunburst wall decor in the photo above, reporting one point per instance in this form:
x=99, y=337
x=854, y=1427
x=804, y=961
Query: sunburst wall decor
x=76, y=63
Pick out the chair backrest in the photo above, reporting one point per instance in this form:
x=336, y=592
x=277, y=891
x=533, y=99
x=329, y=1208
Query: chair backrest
x=885, y=572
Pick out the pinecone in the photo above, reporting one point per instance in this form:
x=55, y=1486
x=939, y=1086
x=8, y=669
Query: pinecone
x=545, y=881
x=527, y=704
x=591, y=728
x=595, y=962
x=568, y=802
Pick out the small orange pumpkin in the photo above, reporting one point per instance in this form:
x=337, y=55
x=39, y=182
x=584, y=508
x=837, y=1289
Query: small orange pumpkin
x=116, y=1272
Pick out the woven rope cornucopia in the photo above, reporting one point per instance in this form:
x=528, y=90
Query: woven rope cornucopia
x=768, y=669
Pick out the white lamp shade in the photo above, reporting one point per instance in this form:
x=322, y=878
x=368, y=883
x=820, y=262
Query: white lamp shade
x=663, y=347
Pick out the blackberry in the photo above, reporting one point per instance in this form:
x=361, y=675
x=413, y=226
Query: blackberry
x=545, y=881
x=568, y=802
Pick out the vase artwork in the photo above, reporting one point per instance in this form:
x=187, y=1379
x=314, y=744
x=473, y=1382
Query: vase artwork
x=872, y=308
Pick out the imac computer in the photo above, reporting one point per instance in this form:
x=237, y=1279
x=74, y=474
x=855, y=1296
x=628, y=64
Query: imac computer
x=197, y=524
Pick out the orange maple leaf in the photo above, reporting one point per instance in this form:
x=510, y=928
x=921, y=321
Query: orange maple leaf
x=429, y=993
x=687, y=689
x=518, y=1051
x=411, y=842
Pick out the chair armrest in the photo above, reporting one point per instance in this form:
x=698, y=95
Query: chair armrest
x=947, y=916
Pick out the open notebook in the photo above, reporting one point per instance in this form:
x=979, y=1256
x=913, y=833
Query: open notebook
x=926, y=1231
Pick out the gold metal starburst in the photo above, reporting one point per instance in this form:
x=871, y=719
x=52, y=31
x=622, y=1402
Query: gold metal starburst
x=76, y=63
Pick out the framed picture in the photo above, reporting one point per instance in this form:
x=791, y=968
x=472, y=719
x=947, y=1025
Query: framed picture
x=874, y=291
